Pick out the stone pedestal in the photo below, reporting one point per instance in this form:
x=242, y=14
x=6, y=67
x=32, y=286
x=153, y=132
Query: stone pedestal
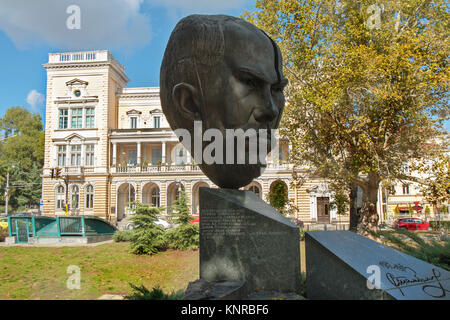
x=345, y=265
x=242, y=238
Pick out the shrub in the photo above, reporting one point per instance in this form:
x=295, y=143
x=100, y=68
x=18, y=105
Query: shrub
x=444, y=225
x=184, y=237
x=142, y=293
x=122, y=236
x=434, y=252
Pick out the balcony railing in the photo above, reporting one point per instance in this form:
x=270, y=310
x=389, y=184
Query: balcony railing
x=77, y=170
x=181, y=168
x=157, y=169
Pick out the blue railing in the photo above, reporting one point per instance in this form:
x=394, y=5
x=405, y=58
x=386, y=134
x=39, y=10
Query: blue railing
x=57, y=227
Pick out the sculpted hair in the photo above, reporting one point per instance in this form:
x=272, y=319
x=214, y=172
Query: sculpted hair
x=195, y=47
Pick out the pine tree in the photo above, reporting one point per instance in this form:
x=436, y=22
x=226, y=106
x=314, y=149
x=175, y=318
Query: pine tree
x=148, y=237
x=185, y=236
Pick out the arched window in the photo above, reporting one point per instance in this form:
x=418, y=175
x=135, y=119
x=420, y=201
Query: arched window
x=155, y=197
x=75, y=197
x=60, y=197
x=89, y=197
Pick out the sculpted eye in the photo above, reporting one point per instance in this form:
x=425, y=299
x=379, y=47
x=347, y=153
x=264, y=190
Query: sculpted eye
x=253, y=83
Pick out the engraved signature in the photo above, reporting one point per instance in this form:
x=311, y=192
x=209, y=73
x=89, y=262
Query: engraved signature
x=435, y=290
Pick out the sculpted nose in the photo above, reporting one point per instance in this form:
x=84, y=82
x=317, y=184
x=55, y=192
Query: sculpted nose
x=267, y=113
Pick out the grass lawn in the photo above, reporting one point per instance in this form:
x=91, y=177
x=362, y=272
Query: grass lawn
x=41, y=272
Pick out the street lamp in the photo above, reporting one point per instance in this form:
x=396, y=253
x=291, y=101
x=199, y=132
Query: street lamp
x=129, y=179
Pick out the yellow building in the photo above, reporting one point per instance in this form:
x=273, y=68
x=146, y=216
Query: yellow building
x=114, y=146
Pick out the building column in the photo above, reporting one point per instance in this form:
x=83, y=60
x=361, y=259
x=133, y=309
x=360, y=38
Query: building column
x=114, y=154
x=67, y=155
x=164, y=153
x=138, y=151
x=83, y=154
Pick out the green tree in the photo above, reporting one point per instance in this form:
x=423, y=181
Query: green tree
x=185, y=236
x=341, y=203
x=179, y=213
x=278, y=197
x=22, y=155
x=148, y=237
x=435, y=185
x=368, y=86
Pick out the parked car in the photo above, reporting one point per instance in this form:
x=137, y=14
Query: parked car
x=412, y=224
x=164, y=223
x=195, y=220
x=161, y=222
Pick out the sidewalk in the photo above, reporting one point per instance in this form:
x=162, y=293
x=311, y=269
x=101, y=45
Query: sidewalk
x=55, y=245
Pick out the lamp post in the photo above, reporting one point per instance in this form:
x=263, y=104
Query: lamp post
x=66, y=182
x=129, y=179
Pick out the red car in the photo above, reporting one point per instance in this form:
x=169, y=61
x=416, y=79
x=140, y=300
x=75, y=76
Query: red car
x=412, y=224
x=196, y=219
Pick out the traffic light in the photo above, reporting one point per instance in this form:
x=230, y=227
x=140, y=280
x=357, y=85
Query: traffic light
x=53, y=174
x=57, y=173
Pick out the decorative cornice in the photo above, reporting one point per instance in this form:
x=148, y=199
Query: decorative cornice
x=86, y=65
x=130, y=96
x=78, y=81
x=68, y=100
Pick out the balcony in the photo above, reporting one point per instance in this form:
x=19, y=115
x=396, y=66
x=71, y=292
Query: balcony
x=156, y=169
x=84, y=56
x=77, y=170
x=182, y=168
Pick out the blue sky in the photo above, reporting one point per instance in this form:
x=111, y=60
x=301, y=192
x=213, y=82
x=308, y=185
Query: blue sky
x=135, y=31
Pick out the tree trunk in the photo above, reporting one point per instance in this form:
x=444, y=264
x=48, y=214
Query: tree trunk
x=369, y=217
x=354, y=219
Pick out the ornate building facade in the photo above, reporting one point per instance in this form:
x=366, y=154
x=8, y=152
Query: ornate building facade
x=114, y=146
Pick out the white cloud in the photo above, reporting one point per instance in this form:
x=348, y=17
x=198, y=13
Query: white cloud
x=105, y=24
x=35, y=99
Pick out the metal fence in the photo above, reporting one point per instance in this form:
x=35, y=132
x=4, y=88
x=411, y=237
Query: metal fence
x=24, y=227
x=70, y=226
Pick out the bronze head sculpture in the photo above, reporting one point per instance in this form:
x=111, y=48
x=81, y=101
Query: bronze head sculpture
x=224, y=73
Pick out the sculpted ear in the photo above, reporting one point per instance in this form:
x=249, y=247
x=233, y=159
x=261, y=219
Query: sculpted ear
x=186, y=100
